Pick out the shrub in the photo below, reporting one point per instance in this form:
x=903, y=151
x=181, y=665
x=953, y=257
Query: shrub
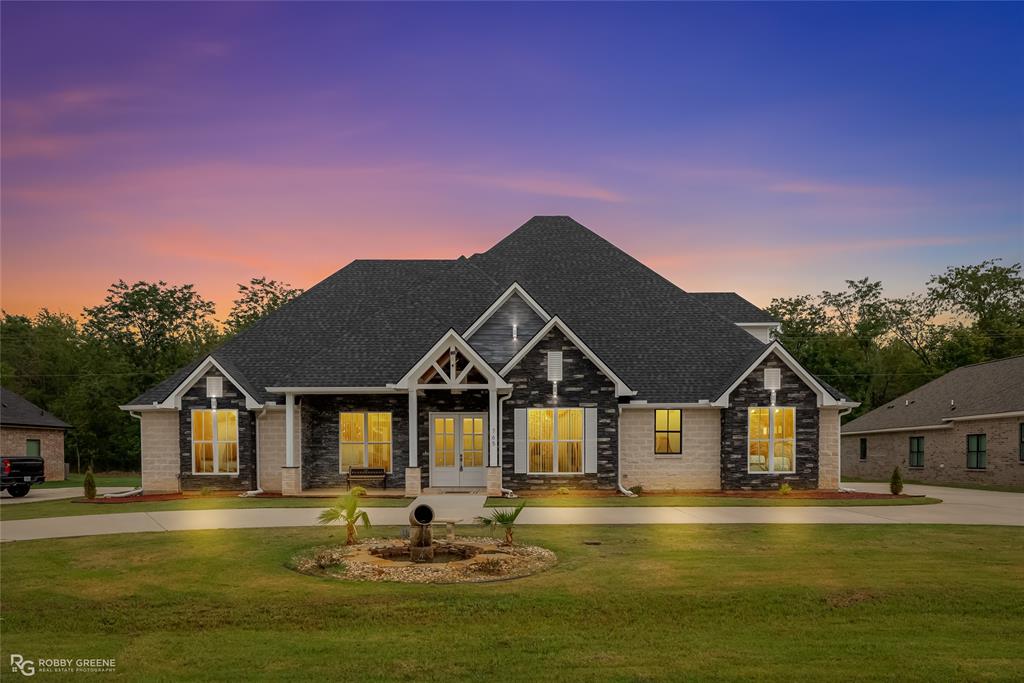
x=504, y=518
x=205, y=491
x=896, y=482
x=563, y=491
x=90, y=484
x=636, y=490
x=785, y=489
x=346, y=511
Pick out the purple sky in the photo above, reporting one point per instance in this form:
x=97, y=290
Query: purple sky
x=767, y=149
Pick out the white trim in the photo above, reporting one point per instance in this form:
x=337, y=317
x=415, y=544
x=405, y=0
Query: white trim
x=215, y=442
x=459, y=444
x=775, y=325
x=555, y=441
x=663, y=406
x=128, y=408
x=988, y=416
x=173, y=400
x=824, y=398
x=897, y=429
x=514, y=288
x=332, y=390
x=621, y=388
x=451, y=338
x=771, y=440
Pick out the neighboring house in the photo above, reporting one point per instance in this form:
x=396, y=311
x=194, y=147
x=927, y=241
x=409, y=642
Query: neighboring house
x=551, y=360
x=28, y=430
x=966, y=427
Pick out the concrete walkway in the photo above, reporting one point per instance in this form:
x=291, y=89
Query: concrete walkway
x=961, y=506
x=41, y=495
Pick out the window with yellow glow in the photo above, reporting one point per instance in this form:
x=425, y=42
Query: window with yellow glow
x=555, y=440
x=668, y=432
x=215, y=441
x=771, y=439
x=365, y=440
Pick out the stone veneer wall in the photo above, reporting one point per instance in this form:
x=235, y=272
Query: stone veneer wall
x=945, y=454
x=195, y=398
x=582, y=385
x=51, y=447
x=161, y=461
x=697, y=468
x=751, y=393
x=443, y=401
x=321, y=456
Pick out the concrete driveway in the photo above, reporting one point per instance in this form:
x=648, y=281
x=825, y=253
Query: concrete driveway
x=39, y=495
x=960, y=506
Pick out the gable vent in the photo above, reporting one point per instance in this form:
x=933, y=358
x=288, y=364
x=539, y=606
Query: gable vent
x=214, y=387
x=772, y=379
x=554, y=366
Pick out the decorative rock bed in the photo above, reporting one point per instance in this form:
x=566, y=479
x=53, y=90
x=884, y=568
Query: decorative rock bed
x=466, y=560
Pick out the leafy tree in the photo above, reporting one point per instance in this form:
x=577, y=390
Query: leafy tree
x=896, y=482
x=256, y=299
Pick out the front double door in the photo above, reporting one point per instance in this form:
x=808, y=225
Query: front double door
x=458, y=449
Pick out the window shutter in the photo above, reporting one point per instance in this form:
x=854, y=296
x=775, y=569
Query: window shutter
x=521, y=448
x=590, y=440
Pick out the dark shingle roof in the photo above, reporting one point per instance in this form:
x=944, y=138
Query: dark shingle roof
x=367, y=324
x=18, y=411
x=983, y=389
x=733, y=307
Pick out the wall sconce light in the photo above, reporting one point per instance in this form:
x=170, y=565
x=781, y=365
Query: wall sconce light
x=515, y=332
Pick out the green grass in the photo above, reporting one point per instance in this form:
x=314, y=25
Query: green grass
x=653, y=603
x=698, y=501
x=68, y=508
x=918, y=482
x=77, y=480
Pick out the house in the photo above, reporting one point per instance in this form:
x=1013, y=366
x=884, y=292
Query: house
x=552, y=360
x=966, y=427
x=28, y=430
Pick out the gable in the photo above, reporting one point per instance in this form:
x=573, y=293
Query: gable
x=493, y=339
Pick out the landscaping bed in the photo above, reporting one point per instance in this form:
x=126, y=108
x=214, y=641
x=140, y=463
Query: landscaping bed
x=714, y=499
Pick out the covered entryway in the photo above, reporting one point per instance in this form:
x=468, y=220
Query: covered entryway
x=458, y=449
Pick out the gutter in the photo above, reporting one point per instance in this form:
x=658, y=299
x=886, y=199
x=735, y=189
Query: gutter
x=256, y=450
x=506, y=493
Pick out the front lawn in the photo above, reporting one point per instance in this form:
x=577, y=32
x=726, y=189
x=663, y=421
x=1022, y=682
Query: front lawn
x=918, y=482
x=653, y=603
x=127, y=480
x=651, y=500
x=66, y=508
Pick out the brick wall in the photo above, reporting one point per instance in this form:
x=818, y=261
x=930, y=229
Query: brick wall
x=161, y=462
x=945, y=454
x=582, y=385
x=51, y=447
x=698, y=468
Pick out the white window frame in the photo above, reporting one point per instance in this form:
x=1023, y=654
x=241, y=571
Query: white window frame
x=771, y=440
x=216, y=440
x=555, y=441
x=366, y=437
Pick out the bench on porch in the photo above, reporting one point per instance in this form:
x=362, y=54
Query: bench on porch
x=359, y=475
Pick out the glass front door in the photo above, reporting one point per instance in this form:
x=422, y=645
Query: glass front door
x=458, y=449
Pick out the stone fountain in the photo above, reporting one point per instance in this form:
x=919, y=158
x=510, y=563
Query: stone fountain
x=421, y=536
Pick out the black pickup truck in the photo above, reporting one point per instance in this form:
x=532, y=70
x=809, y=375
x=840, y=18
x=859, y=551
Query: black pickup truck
x=19, y=473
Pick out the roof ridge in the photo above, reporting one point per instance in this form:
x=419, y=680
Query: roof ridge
x=985, y=362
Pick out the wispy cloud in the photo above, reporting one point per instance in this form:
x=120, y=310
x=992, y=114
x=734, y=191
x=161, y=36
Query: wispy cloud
x=547, y=184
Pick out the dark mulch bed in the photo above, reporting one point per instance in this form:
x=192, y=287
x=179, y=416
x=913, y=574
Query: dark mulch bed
x=151, y=497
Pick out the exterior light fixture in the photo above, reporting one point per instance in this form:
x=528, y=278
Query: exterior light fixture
x=515, y=332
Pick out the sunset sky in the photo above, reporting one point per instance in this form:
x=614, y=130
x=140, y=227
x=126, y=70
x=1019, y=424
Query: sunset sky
x=766, y=149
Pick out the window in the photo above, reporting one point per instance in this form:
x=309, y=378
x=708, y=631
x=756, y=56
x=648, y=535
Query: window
x=976, y=451
x=668, y=432
x=365, y=440
x=771, y=439
x=215, y=441
x=863, y=448
x=555, y=440
x=32, y=448
x=917, y=451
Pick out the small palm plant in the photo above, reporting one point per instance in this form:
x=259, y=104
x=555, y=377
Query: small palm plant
x=346, y=510
x=504, y=518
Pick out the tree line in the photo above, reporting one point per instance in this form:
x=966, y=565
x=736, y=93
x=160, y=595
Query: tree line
x=83, y=369
x=870, y=346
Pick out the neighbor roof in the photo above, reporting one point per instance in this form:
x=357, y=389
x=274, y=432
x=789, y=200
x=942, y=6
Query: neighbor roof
x=733, y=307
x=16, y=411
x=982, y=389
x=367, y=324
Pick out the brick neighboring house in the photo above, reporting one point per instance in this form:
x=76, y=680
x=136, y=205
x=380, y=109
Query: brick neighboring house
x=551, y=360
x=28, y=430
x=966, y=427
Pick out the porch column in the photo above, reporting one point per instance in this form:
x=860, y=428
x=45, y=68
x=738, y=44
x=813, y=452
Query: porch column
x=493, y=457
x=413, y=432
x=289, y=430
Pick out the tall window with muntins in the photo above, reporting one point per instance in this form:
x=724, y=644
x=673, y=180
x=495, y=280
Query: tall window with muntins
x=668, y=432
x=863, y=448
x=214, y=441
x=472, y=442
x=916, y=451
x=977, y=447
x=365, y=440
x=771, y=439
x=444, y=442
x=555, y=440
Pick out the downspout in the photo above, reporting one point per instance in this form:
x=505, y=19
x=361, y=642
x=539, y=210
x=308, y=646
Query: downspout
x=506, y=493
x=839, y=448
x=137, y=491
x=618, y=459
x=258, y=490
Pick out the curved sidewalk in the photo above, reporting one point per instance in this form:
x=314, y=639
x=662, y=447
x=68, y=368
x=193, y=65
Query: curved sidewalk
x=960, y=506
